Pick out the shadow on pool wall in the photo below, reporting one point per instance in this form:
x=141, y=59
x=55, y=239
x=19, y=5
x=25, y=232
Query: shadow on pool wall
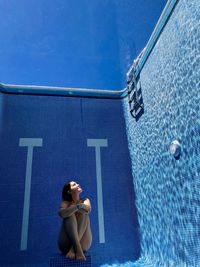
x=167, y=190
x=55, y=131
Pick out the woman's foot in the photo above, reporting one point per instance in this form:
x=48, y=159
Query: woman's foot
x=80, y=256
x=71, y=254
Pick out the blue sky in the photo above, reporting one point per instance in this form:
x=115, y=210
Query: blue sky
x=73, y=43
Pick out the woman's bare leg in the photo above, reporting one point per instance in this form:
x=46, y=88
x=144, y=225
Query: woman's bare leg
x=64, y=243
x=84, y=235
x=86, y=238
x=71, y=227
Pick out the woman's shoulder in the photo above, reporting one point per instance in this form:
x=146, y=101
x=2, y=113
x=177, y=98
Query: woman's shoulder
x=65, y=204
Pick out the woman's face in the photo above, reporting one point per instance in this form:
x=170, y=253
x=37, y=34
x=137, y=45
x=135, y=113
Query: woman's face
x=75, y=188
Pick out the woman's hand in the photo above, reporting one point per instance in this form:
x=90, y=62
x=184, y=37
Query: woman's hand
x=84, y=206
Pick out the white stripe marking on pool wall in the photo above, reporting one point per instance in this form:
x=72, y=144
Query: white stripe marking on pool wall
x=97, y=144
x=30, y=143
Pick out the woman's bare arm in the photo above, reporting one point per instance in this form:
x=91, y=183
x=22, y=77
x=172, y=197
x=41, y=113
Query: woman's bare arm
x=66, y=211
x=86, y=206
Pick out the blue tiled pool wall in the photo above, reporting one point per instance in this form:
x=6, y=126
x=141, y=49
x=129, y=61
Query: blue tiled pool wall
x=167, y=190
x=59, y=128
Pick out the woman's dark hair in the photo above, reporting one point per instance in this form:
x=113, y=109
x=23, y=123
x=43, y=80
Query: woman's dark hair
x=66, y=196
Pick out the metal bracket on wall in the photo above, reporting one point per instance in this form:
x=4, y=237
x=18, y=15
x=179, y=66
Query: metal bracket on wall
x=135, y=100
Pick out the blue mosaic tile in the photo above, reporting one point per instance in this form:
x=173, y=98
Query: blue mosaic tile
x=61, y=261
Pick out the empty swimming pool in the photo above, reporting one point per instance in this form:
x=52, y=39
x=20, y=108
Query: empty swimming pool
x=145, y=202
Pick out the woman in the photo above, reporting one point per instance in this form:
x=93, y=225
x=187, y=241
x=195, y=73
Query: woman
x=75, y=235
